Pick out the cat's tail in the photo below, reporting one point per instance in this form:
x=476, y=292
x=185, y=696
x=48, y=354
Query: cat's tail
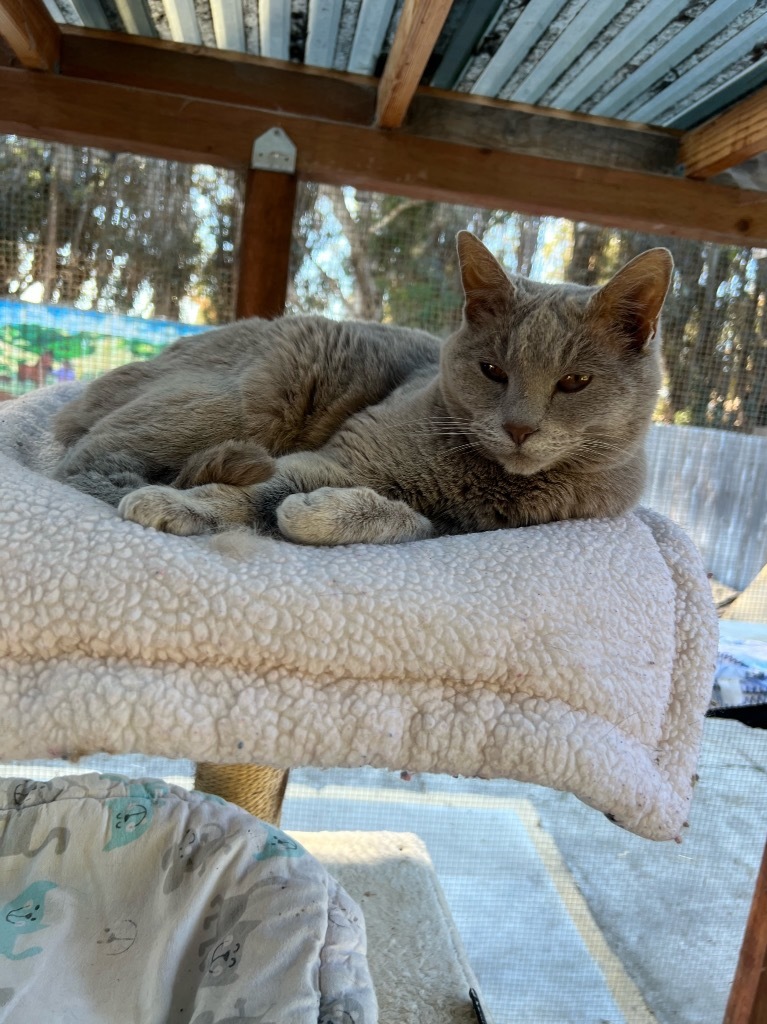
x=232, y=462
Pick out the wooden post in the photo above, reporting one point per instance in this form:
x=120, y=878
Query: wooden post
x=748, y=996
x=267, y=229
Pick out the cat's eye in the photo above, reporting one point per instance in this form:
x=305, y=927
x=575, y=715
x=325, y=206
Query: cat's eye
x=572, y=382
x=493, y=372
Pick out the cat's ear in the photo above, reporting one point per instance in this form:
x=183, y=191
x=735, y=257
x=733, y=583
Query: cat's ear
x=485, y=283
x=632, y=300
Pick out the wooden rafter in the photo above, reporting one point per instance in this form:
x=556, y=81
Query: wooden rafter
x=189, y=128
x=727, y=140
x=419, y=27
x=31, y=33
x=330, y=96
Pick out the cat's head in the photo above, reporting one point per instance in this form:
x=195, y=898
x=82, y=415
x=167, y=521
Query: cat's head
x=541, y=374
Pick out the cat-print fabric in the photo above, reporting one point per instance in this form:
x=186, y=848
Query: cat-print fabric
x=127, y=900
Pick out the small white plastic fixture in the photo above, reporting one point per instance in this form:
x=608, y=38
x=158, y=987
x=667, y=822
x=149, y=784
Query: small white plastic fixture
x=274, y=151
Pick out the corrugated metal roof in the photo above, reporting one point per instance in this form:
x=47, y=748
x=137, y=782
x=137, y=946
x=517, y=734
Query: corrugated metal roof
x=663, y=62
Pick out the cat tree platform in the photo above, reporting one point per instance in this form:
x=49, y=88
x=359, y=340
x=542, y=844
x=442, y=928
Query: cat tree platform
x=577, y=655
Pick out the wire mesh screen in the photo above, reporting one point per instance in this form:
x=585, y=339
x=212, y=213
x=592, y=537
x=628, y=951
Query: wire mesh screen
x=565, y=917
x=106, y=258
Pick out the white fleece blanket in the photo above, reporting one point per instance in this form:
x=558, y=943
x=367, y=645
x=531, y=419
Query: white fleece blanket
x=577, y=655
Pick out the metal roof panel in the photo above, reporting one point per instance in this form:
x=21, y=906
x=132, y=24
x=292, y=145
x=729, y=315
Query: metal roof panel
x=664, y=61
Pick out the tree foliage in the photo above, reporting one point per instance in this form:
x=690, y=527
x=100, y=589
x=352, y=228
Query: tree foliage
x=115, y=231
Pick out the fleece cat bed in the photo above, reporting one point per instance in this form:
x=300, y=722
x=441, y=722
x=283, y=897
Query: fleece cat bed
x=577, y=655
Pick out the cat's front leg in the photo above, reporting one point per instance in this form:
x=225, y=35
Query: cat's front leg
x=349, y=515
x=214, y=507
x=208, y=508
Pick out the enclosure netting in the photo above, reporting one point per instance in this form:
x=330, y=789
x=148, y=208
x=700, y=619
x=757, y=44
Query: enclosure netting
x=107, y=257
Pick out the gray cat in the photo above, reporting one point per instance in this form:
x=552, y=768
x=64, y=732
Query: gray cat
x=335, y=433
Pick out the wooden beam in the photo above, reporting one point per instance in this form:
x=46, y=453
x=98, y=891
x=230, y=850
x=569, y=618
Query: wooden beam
x=747, y=1003
x=188, y=128
x=216, y=75
x=727, y=140
x=538, y=131
x=420, y=24
x=267, y=230
x=31, y=33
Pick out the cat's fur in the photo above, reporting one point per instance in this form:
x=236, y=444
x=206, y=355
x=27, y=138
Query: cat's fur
x=333, y=433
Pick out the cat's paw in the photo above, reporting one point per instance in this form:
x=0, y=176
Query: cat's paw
x=166, y=509
x=349, y=515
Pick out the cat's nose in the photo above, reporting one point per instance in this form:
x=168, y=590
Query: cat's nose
x=519, y=432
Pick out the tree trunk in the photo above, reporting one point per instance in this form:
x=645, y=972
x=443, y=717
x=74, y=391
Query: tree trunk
x=49, y=263
x=588, y=256
x=367, y=298
x=527, y=246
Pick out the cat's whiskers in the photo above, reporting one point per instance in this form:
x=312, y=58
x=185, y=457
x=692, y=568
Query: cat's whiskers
x=594, y=452
x=598, y=446
x=454, y=428
x=471, y=446
x=600, y=442
x=453, y=421
x=470, y=442
x=451, y=426
x=439, y=433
